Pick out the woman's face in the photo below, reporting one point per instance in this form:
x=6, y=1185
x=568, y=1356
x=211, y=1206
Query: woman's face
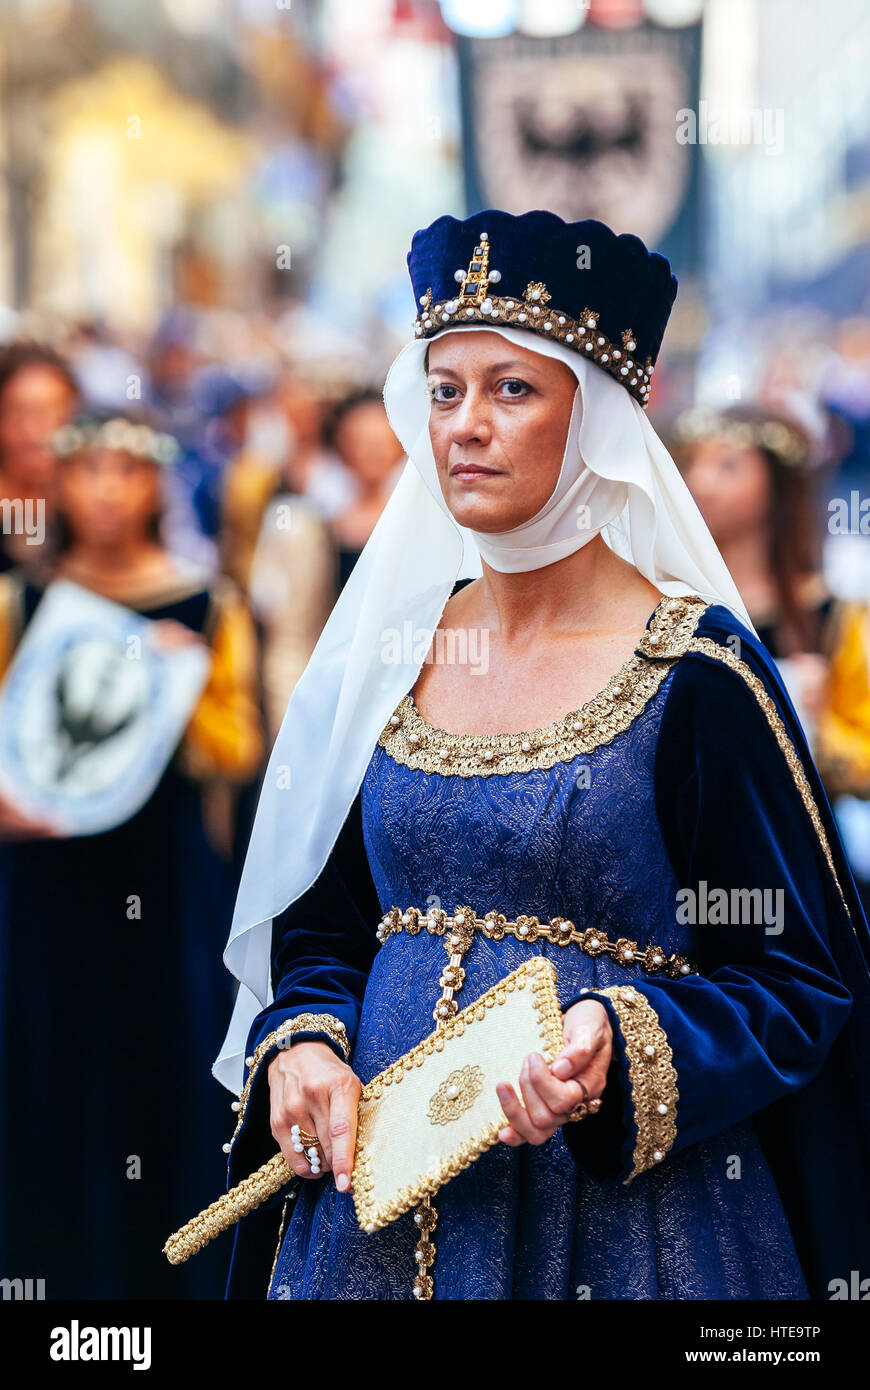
x=731, y=484
x=366, y=443
x=498, y=423
x=36, y=401
x=108, y=497
x=303, y=407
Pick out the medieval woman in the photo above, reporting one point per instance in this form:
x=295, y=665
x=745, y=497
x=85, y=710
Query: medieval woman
x=606, y=771
x=750, y=470
x=111, y=1003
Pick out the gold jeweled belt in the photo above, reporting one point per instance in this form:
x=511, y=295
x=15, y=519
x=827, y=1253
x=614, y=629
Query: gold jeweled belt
x=560, y=930
x=459, y=930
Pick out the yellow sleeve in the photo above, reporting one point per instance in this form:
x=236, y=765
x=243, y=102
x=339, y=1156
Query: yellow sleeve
x=248, y=486
x=224, y=738
x=11, y=620
x=306, y=561
x=843, y=748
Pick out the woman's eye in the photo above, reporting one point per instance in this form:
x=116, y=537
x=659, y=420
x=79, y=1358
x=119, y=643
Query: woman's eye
x=515, y=387
x=442, y=386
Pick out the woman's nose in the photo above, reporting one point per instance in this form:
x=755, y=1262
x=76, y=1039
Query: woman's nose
x=472, y=421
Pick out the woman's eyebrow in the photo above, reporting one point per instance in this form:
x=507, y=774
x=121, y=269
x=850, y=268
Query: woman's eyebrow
x=512, y=364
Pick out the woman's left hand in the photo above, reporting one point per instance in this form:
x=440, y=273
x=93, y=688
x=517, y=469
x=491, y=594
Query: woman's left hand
x=169, y=635
x=550, y=1093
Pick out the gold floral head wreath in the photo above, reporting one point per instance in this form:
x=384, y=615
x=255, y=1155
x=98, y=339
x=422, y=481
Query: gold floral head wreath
x=787, y=443
x=116, y=433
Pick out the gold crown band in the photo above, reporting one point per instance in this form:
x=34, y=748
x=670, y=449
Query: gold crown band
x=653, y=959
x=579, y=334
x=475, y=304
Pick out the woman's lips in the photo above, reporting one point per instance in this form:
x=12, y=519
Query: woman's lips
x=473, y=470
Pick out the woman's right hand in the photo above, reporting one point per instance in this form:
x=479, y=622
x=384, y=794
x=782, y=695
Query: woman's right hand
x=310, y=1087
x=16, y=825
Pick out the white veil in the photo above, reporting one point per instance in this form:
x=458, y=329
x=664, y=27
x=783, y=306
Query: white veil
x=614, y=463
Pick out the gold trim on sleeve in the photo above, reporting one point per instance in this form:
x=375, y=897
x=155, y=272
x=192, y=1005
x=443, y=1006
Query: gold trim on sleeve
x=707, y=647
x=302, y=1023
x=652, y=1076
x=11, y=618
x=410, y=740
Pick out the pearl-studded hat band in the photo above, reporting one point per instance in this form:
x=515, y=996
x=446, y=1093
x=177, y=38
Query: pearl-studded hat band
x=584, y=264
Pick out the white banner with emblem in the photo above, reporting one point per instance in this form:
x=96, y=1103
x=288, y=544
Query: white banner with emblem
x=92, y=708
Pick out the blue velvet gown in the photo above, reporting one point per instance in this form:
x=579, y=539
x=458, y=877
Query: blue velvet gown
x=725, y=1163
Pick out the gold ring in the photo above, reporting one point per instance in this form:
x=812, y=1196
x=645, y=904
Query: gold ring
x=578, y=1113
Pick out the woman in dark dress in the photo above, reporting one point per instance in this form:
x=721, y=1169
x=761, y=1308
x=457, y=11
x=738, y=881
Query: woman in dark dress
x=572, y=786
x=113, y=993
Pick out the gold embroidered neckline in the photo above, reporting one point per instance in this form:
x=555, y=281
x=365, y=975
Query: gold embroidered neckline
x=412, y=741
x=613, y=686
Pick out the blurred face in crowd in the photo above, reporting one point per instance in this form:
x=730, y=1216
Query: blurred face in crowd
x=304, y=408
x=109, y=498
x=505, y=409
x=171, y=366
x=853, y=341
x=35, y=402
x=366, y=443
x=731, y=485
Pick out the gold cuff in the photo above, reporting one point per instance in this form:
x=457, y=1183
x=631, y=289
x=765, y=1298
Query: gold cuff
x=310, y=1023
x=302, y=1023
x=651, y=1073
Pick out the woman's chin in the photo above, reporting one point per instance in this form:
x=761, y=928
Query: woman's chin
x=485, y=519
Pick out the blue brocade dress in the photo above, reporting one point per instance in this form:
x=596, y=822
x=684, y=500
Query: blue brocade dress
x=681, y=772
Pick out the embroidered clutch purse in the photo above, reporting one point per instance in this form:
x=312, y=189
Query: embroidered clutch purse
x=427, y=1116
x=435, y=1110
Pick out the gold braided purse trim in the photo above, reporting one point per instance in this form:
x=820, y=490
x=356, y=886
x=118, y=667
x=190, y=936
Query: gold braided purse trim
x=228, y=1209
x=460, y=927
x=249, y=1194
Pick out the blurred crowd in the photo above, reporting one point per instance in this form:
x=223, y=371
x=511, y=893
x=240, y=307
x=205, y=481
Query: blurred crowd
x=227, y=504
x=286, y=459
x=242, y=541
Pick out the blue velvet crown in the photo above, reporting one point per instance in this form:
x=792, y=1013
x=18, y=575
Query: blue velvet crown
x=579, y=283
